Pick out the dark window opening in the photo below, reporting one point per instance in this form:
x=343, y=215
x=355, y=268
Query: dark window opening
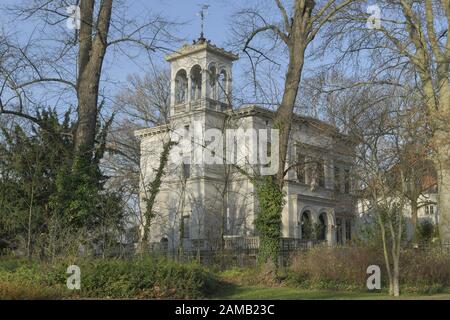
x=322, y=227
x=300, y=168
x=306, y=226
x=348, y=230
x=186, y=170
x=186, y=227
x=339, y=230
x=347, y=181
x=337, y=179
x=321, y=173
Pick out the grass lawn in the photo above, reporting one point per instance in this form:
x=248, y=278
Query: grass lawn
x=286, y=293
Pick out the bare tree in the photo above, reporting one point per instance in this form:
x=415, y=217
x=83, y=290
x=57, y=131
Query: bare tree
x=375, y=130
x=296, y=30
x=409, y=47
x=71, y=60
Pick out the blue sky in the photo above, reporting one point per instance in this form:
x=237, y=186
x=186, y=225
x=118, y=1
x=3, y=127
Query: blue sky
x=117, y=66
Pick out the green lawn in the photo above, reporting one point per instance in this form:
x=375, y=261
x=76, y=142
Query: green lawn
x=286, y=293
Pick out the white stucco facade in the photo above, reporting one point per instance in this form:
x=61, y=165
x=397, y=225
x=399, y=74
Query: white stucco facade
x=201, y=201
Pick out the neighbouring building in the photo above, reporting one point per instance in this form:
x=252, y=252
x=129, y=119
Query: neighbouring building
x=426, y=202
x=201, y=202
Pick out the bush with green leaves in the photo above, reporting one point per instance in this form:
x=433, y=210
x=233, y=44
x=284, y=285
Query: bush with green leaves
x=48, y=197
x=425, y=231
x=114, y=278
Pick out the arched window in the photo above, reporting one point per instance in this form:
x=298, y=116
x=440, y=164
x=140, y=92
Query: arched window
x=223, y=86
x=306, y=225
x=164, y=243
x=212, y=82
x=322, y=227
x=181, y=86
x=196, y=83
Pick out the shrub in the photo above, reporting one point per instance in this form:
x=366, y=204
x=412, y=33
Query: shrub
x=425, y=271
x=147, y=278
x=425, y=231
x=332, y=268
x=113, y=278
x=26, y=290
x=345, y=269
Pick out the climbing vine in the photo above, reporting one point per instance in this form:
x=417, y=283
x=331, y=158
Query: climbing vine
x=153, y=189
x=268, y=223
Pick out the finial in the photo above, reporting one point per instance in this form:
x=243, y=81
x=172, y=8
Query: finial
x=202, y=14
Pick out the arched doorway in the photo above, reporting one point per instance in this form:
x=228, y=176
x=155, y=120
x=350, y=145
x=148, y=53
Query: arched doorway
x=306, y=225
x=322, y=227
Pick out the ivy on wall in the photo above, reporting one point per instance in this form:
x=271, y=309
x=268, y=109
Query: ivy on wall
x=268, y=223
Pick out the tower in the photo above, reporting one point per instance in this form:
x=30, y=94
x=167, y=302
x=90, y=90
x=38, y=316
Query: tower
x=201, y=78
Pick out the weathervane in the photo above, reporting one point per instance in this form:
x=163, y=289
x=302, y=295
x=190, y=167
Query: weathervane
x=202, y=14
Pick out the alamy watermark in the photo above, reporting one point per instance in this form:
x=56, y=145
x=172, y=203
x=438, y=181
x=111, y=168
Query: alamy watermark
x=374, y=280
x=241, y=147
x=374, y=20
x=74, y=280
x=73, y=22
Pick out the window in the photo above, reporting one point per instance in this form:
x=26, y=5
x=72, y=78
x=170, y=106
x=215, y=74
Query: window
x=321, y=173
x=306, y=226
x=186, y=170
x=347, y=181
x=223, y=79
x=268, y=160
x=348, y=229
x=228, y=222
x=212, y=82
x=337, y=179
x=429, y=210
x=196, y=83
x=186, y=227
x=339, y=230
x=164, y=243
x=300, y=168
x=181, y=85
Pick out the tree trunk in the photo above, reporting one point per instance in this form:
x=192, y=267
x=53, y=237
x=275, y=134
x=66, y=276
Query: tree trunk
x=396, y=279
x=285, y=112
x=297, y=45
x=30, y=214
x=441, y=139
x=443, y=172
x=414, y=209
x=90, y=60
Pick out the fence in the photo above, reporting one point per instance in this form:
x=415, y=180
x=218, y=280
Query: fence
x=243, y=251
x=231, y=251
x=428, y=246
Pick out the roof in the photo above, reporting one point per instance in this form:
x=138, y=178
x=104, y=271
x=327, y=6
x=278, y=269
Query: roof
x=200, y=45
x=253, y=110
x=151, y=131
